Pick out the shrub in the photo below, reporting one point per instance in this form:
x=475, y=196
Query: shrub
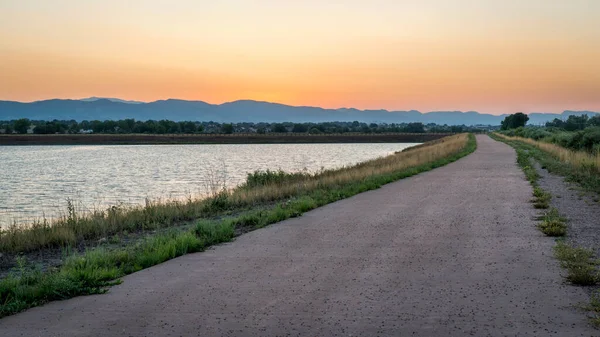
x=581, y=268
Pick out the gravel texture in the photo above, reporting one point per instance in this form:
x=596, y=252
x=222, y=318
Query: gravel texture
x=450, y=252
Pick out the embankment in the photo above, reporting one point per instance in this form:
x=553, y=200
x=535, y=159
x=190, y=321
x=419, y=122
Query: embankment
x=98, y=248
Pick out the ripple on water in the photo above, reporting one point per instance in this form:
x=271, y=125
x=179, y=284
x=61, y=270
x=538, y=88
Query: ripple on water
x=36, y=181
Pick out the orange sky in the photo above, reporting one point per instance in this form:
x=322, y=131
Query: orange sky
x=487, y=55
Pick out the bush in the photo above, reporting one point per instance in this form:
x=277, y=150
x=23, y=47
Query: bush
x=591, y=138
x=268, y=177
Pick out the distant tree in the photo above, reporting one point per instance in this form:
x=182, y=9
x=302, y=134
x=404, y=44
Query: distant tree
x=514, y=121
x=126, y=125
x=279, y=128
x=6, y=127
x=299, y=128
x=594, y=121
x=555, y=123
x=574, y=123
x=188, y=127
x=22, y=125
x=227, y=128
x=457, y=128
x=314, y=131
x=414, y=128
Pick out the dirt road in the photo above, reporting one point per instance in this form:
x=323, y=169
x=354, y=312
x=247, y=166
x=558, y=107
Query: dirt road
x=451, y=252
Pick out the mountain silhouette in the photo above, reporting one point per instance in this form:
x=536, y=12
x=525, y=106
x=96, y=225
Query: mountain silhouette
x=95, y=108
x=93, y=98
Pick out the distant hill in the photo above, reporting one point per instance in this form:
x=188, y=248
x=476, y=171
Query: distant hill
x=239, y=111
x=92, y=99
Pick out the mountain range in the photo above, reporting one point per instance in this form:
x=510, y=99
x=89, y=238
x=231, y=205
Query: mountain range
x=95, y=108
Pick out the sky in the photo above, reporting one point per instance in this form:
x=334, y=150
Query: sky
x=492, y=56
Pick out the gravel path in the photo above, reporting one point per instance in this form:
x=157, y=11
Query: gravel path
x=580, y=208
x=451, y=252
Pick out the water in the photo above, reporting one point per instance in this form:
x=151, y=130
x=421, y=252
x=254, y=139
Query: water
x=36, y=181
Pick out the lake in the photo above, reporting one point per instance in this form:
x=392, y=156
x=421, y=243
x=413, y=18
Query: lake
x=36, y=181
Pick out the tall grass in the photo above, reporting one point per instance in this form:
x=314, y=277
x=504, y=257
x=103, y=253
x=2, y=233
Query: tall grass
x=577, y=166
x=580, y=159
x=277, y=187
x=260, y=188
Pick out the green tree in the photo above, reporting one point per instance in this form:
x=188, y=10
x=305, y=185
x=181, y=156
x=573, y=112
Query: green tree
x=227, y=128
x=22, y=125
x=6, y=127
x=414, y=128
x=594, y=121
x=279, y=128
x=514, y=121
x=299, y=128
x=556, y=123
x=574, y=123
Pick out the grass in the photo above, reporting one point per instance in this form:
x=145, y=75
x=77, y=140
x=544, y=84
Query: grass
x=581, y=167
x=95, y=270
x=260, y=188
x=594, y=306
x=553, y=224
x=579, y=262
x=541, y=198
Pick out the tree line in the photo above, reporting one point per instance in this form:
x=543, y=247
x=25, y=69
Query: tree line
x=572, y=123
x=132, y=126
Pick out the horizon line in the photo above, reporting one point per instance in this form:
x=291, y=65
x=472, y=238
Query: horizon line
x=278, y=103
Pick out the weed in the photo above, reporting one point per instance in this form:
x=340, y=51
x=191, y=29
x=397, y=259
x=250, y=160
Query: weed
x=553, y=224
x=579, y=262
x=594, y=306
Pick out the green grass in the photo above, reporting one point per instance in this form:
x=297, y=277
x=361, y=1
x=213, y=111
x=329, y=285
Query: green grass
x=553, y=224
x=579, y=262
x=594, y=307
x=581, y=172
x=96, y=270
x=541, y=198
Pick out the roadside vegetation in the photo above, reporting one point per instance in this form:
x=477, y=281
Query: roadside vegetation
x=579, y=133
x=577, y=163
x=579, y=166
x=265, y=198
x=580, y=264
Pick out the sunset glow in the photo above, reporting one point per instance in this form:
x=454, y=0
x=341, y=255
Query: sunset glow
x=490, y=56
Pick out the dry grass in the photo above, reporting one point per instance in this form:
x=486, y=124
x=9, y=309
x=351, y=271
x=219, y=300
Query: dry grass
x=579, y=159
x=75, y=228
x=326, y=179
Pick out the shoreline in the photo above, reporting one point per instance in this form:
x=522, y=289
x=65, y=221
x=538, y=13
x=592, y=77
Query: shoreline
x=86, y=255
x=250, y=138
